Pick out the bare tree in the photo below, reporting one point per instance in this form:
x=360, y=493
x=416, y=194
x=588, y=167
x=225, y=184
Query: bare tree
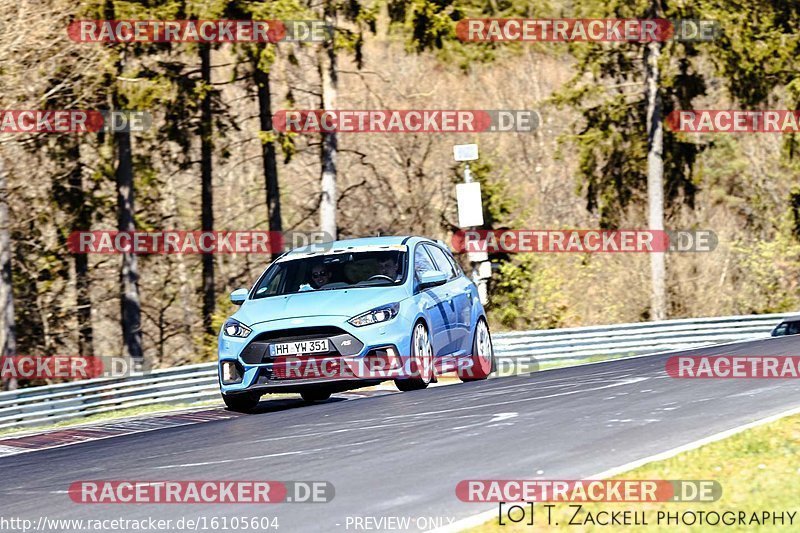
x=130, y=306
x=8, y=346
x=329, y=77
x=655, y=173
x=80, y=210
x=207, y=190
x=262, y=81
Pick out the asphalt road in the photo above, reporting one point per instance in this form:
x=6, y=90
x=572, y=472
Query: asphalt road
x=403, y=454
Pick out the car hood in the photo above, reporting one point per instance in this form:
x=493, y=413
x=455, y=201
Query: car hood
x=342, y=302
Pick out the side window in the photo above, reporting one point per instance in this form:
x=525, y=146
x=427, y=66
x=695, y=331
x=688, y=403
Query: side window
x=793, y=328
x=453, y=262
x=780, y=330
x=422, y=262
x=442, y=263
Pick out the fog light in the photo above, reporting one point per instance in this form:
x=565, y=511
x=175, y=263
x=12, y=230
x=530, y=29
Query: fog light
x=230, y=373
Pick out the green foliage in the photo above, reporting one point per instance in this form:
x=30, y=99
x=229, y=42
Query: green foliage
x=527, y=293
x=430, y=25
x=767, y=274
x=758, y=51
x=611, y=136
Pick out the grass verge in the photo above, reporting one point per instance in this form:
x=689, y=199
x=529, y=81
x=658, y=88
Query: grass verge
x=759, y=470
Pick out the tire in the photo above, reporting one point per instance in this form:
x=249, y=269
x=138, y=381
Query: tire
x=315, y=395
x=482, y=362
x=241, y=403
x=421, y=351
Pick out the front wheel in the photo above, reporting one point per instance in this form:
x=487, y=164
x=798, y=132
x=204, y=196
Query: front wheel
x=241, y=403
x=421, y=363
x=481, y=364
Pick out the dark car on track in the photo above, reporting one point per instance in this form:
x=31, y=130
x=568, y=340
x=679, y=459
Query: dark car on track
x=787, y=326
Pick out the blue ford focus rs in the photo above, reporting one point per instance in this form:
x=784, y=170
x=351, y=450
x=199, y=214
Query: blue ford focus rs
x=334, y=317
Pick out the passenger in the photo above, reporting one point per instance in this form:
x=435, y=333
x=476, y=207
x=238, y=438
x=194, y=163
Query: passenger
x=320, y=276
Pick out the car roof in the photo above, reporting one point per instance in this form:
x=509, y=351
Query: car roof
x=393, y=241
x=794, y=318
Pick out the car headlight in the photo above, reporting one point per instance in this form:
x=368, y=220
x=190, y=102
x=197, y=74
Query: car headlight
x=234, y=328
x=374, y=316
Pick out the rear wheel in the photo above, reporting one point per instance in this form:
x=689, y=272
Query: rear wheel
x=311, y=396
x=421, y=363
x=482, y=362
x=241, y=403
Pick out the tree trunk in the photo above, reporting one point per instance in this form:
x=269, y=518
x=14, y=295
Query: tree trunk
x=206, y=195
x=130, y=307
x=131, y=314
x=655, y=179
x=8, y=341
x=271, y=183
x=330, y=82
x=80, y=214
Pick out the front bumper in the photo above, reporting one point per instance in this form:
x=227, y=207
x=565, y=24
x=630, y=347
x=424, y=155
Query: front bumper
x=360, y=356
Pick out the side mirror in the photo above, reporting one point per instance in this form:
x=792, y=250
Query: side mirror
x=432, y=278
x=239, y=296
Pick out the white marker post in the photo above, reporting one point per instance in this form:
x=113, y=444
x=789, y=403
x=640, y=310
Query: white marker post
x=470, y=214
x=468, y=194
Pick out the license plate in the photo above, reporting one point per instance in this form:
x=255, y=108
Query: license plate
x=299, y=347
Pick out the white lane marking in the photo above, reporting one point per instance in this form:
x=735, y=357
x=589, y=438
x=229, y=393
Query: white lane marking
x=384, y=421
x=518, y=400
x=11, y=450
x=484, y=516
x=499, y=417
x=224, y=461
x=266, y=456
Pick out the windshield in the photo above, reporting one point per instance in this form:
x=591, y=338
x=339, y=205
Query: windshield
x=333, y=271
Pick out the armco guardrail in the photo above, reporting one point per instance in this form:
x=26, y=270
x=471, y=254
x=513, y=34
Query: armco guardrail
x=66, y=401
x=194, y=383
x=636, y=338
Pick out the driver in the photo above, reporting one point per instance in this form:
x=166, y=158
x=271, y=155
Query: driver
x=387, y=266
x=320, y=275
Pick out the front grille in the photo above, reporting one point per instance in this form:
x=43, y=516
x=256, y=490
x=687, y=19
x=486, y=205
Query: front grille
x=258, y=350
x=299, y=334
